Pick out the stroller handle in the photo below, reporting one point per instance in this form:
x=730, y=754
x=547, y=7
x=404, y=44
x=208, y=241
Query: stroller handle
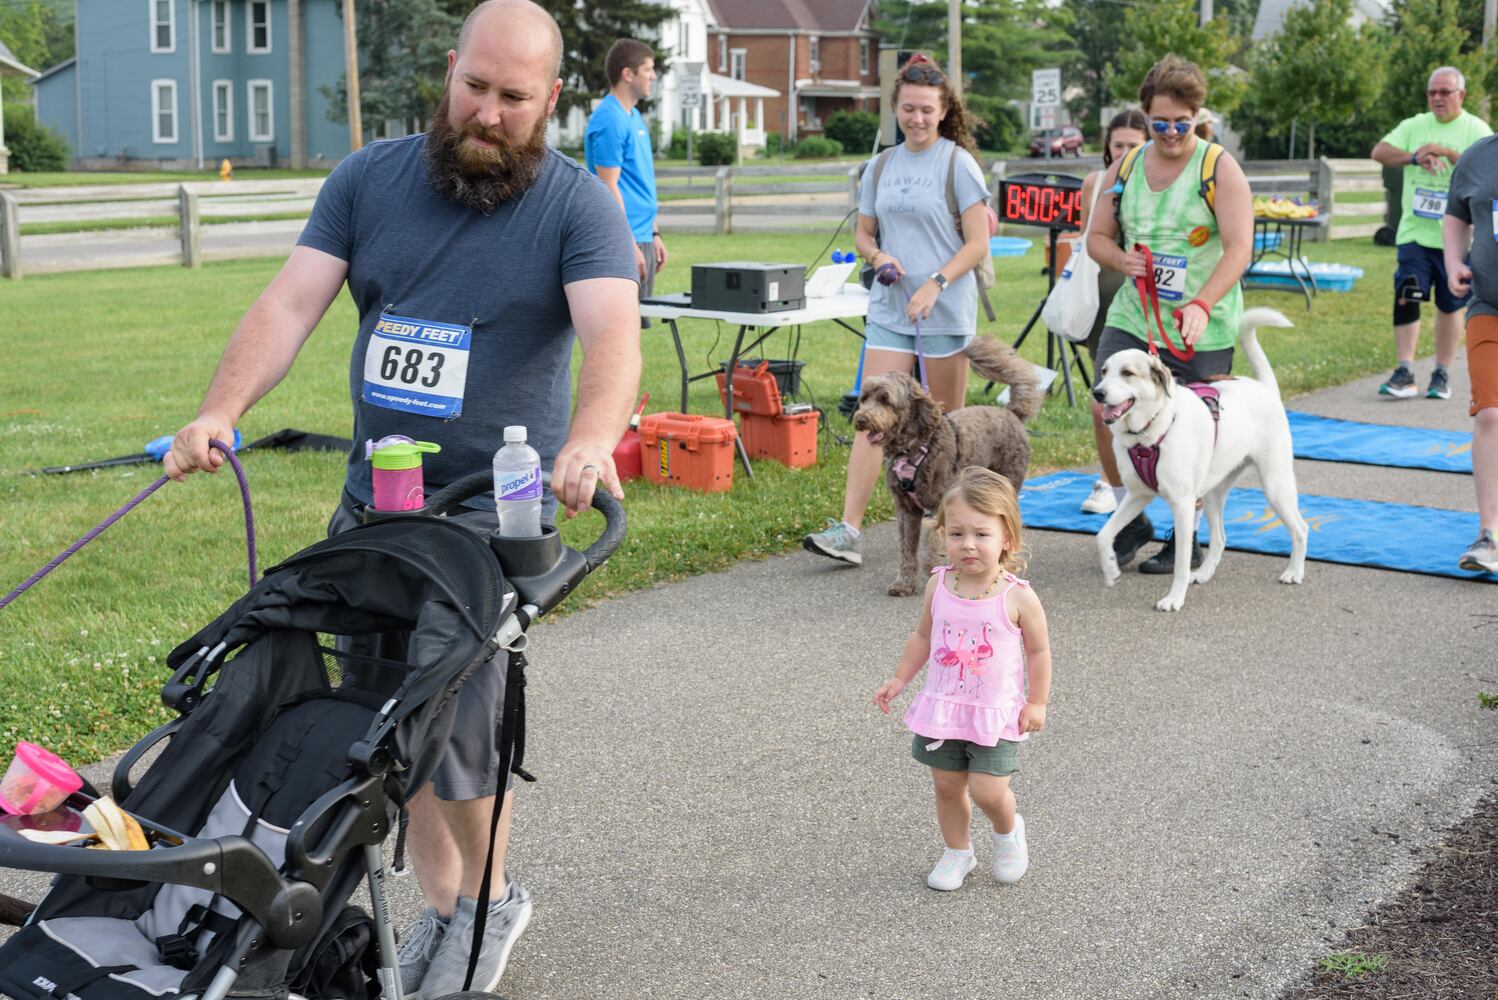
x=476, y=484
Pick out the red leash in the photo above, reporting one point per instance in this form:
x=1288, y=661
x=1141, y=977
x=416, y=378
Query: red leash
x=1149, y=296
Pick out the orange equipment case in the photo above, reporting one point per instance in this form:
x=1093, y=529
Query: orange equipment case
x=790, y=438
x=755, y=390
x=688, y=449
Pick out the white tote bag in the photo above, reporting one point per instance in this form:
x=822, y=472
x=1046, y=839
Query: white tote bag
x=1071, y=308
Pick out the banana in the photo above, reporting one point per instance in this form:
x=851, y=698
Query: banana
x=117, y=830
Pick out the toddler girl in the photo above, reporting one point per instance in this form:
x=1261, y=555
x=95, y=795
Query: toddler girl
x=982, y=636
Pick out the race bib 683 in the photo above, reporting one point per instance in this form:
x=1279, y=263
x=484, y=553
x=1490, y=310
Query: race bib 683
x=417, y=366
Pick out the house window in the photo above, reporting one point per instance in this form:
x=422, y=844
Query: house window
x=222, y=40
x=863, y=57
x=257, y=26
x=683, y=39
x=737, y=72
x=262, y=117
x=223, y=110
x=164, y=111
x=722, y=53
x=163, y=25
x=814, y=50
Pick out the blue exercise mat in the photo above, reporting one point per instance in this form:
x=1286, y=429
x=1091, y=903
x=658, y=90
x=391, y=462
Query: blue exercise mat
x=1332, y=440
x=1356, y=532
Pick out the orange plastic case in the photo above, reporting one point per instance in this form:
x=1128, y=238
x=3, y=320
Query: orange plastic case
x=790, y=438
x=754, y=390
x=688, y=449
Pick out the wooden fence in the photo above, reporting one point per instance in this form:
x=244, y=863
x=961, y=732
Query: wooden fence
x=700, y=199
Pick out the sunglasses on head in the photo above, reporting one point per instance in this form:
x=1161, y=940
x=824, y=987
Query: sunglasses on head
x=1439, y=92
x=922, y=73
x=1161, y=126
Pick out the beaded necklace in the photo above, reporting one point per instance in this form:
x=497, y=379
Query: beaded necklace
x=957, y=586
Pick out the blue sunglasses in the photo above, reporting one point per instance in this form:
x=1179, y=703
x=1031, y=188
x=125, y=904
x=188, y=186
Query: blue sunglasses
x=1161, y=126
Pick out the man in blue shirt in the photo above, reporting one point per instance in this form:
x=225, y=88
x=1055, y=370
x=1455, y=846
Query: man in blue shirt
x=617, y=149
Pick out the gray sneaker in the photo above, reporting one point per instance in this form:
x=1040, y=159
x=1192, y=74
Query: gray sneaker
x=836, y=541
x=1401, y=385
x=1482, y=555
x=502, y=927
x=418, y=944
x=1440, y=385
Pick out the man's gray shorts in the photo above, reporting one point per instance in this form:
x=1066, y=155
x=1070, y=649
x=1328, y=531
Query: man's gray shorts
x=647, y=286
x=469, y=767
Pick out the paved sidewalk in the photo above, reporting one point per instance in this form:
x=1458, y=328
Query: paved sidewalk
x=722, y=813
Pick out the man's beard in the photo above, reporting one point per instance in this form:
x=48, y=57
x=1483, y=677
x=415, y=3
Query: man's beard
x=481, y=177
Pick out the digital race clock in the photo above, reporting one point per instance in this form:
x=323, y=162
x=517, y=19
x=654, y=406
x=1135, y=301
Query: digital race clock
x=1051, y=201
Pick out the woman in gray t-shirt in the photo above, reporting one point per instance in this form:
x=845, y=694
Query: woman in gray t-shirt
x=907, y=223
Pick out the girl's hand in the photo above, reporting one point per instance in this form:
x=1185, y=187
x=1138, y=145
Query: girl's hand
x=1031, y=718
x=1192, y=322
x=881, y=258
x=888, y=692
x=922, y=302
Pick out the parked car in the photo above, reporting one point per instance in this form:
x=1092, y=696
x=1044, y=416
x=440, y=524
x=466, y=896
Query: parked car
x=1067, y=139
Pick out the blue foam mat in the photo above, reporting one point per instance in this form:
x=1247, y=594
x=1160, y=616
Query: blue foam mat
x=1355, y=532
x=1332, y=440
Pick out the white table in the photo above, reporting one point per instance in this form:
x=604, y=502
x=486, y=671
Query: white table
x=851, y=302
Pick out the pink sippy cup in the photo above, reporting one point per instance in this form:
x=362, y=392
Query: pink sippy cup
x=396, y=472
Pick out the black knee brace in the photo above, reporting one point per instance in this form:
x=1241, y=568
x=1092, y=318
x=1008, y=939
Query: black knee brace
x=1407, y=311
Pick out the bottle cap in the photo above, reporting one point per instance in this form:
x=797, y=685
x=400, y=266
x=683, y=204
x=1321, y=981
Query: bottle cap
x=515, y=434
x=397, y=452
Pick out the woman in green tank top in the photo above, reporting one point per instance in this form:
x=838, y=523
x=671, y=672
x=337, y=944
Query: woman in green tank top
x=1199, y=254
x=1198, y=250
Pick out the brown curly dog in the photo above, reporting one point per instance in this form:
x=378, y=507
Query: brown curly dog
x=924, y=449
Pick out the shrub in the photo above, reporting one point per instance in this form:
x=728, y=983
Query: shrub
x=816, y=147
x=33, y=146
x=716, y=148
x=773, y=142
x=678, y=144
x=996, y=124
x=854, y=129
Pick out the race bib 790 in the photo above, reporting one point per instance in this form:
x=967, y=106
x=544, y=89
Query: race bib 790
x=417, y=366
x=1429, y=204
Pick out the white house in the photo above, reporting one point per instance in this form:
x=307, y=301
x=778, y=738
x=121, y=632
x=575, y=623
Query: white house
x=11, y=66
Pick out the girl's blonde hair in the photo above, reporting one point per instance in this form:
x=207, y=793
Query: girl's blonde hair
x=987, y=492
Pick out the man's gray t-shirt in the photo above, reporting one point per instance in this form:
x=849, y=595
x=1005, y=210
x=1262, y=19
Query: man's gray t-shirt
x=1474, y=199
x=916, y=227
x=459, y=311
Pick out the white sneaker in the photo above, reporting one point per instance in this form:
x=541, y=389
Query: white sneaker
x=1101, y=500
x=1011, y=855
x=951, y=869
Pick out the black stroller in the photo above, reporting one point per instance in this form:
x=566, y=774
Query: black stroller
x=287, y=767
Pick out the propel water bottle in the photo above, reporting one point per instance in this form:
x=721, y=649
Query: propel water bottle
x=517, y=486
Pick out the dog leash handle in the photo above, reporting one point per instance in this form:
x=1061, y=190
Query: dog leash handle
x=1149, y=296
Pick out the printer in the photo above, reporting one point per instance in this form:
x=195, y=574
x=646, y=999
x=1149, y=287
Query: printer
x=747, y=287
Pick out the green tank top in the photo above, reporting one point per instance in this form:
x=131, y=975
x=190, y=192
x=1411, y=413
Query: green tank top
x=1181, y=232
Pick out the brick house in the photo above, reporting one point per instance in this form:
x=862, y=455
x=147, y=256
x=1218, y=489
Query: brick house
x=819, y=54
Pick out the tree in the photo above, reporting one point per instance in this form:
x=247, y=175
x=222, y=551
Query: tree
x=1427, y=34
x=587, y=32
x=1096, y=38
x=1153, y=29
x=39, y=33
x=1319, y=69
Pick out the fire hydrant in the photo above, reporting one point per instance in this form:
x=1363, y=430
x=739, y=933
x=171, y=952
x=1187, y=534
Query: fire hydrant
x=226, y=170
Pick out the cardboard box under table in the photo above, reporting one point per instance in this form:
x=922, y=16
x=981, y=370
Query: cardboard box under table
x=688, y=449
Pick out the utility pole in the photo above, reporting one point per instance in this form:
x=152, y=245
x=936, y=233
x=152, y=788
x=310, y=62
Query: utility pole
x=1489, y=23
x=1206, y=11
x=954, y=44
x=351, y=69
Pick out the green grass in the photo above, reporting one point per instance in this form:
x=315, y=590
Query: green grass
x=1353, y=964
x=98, y=363
x=146, y=222
x=83, y=177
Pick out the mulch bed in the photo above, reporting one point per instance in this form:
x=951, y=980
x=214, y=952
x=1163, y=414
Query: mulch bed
x=1440, y=936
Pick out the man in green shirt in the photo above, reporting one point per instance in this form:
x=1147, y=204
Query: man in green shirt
x=1427, y=146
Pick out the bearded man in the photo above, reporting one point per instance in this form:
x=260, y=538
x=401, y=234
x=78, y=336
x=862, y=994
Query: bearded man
x=473, y=253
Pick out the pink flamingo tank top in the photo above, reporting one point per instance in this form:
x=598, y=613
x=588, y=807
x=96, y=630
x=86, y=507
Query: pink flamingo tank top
x=975, y=677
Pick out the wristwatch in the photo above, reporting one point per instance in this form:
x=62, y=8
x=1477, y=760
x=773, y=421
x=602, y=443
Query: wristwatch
x=1415, y=159
x=940, y=279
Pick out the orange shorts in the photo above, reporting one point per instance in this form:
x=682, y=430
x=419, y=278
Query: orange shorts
x=1482, y=361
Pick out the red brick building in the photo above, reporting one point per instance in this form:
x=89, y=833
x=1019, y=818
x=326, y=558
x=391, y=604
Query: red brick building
x=819, y=54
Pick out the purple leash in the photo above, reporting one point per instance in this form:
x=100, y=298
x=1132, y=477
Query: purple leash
x=887, y=275
x=249, y=524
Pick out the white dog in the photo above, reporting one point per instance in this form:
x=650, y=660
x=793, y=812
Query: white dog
x=1166, y=432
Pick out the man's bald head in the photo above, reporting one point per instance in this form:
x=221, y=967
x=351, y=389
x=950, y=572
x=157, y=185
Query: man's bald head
x=512, y=16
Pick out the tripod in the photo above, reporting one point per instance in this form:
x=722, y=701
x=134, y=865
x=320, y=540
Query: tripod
x=1055, y=343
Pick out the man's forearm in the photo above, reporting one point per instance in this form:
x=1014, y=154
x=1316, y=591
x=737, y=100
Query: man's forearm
x=607, y=384
x=1456, y=239
x=257, y=357
x=1390, y=156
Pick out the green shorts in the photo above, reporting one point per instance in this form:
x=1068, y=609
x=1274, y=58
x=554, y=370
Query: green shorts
x=964, y=755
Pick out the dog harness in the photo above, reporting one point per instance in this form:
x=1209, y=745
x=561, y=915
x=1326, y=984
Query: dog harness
x=1146, y=457
x=906, y=466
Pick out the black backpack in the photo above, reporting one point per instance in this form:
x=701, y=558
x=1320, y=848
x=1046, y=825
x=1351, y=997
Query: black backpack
x=345, y=966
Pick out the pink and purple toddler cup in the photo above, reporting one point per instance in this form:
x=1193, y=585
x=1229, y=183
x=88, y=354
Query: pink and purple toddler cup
x=37, y=782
